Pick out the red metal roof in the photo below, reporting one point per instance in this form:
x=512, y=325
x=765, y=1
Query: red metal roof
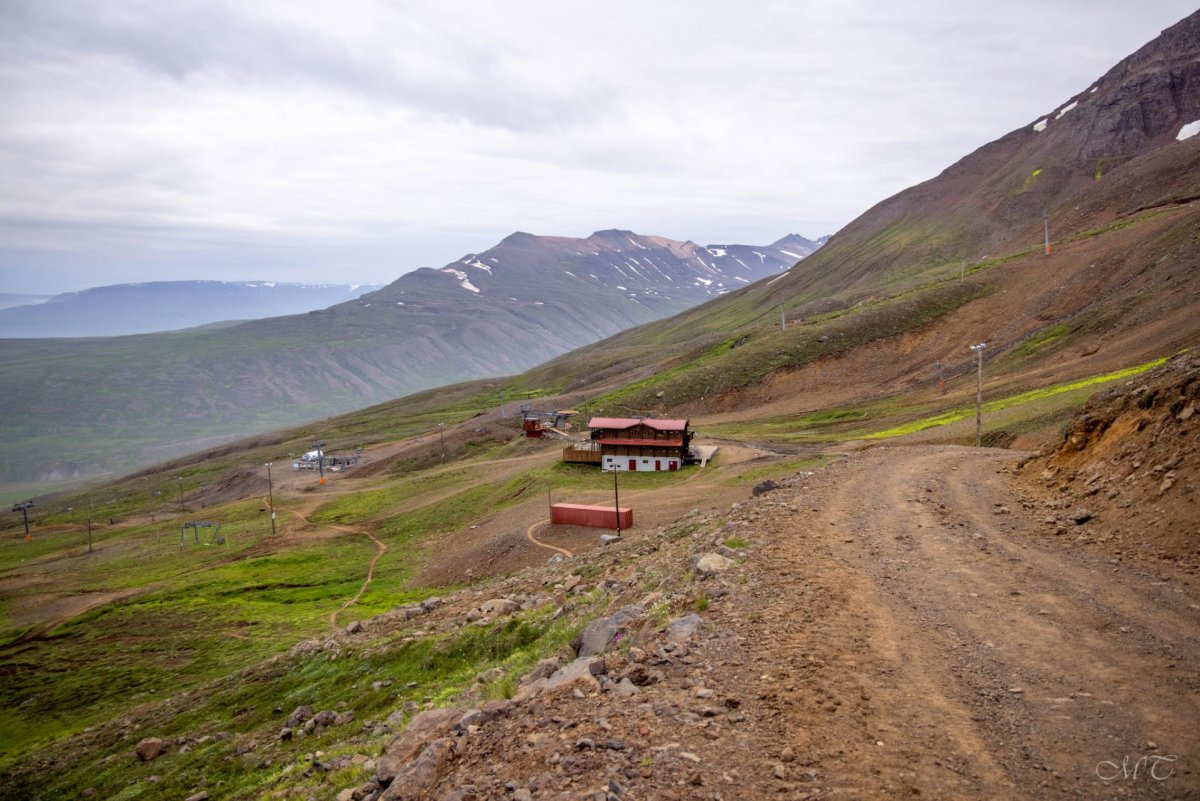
x=657, y=443
x=629, y=422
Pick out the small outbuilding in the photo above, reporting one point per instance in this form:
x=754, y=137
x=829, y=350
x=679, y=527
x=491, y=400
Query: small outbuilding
x=577, y=514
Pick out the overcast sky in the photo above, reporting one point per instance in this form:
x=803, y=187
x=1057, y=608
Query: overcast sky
x=353, y=141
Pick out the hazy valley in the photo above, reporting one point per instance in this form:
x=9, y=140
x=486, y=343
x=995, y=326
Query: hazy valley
x=123, y=309
x=76, y=407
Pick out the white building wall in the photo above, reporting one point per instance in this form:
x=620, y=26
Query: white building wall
x=641, y=463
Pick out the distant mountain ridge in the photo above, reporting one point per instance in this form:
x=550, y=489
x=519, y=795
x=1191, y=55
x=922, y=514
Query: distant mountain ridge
x=143, y=308
x=800, y=246
x=659, y=273
x=10, y=299
x=118, y=402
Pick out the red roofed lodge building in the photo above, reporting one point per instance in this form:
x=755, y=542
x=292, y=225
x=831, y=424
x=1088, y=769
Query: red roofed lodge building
x=640, y=443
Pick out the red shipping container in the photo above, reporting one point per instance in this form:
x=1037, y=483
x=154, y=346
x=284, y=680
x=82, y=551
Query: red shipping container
x=577, y=514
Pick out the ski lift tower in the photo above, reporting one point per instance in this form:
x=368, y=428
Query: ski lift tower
x=24, y=508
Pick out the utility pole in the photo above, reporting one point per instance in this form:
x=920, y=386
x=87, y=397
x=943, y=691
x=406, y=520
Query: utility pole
x=442, y=438
x=978, y=349
x=180, y=480
x=320, y=446
x=271, y=497
x=616, y=500
x=782, y=318
x=1046, y=226
x=24, y=508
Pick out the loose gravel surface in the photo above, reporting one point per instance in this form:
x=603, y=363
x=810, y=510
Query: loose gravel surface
x=899, y=625
x=915, y=632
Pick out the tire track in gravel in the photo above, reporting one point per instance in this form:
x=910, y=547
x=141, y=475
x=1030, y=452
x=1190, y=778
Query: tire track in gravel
x=1052, y=661
x=912, y=730
x=909, y=631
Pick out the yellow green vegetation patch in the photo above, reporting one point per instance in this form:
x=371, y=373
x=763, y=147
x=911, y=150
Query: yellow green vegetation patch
x=1040, y=339
x=1004, y=403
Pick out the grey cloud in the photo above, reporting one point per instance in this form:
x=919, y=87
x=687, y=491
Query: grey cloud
x=705, y=120
x=183, y=40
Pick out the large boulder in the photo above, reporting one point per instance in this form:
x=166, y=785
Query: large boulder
x=603, y=632
x=580, y=674
x=496, y=607
x=500, y=606
x=408, y=744
x=710, y=564
x=597, y=636
x=149, y=748
x=414, y=780
x=544, y=669
x=764, y=487
x=682, y=629
x=299, y=715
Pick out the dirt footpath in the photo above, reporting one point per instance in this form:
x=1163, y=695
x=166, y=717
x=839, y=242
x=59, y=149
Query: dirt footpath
x=908, y=629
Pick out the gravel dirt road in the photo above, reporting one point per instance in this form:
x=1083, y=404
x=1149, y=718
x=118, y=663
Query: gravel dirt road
x=912, y=631
x=903, y=624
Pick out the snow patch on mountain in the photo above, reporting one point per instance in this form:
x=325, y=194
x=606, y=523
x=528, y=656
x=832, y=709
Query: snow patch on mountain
x=463, y=281
x=1188, y=131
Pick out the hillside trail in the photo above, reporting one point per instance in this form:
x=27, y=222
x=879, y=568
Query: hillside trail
x=380, y=549
x=907, y=630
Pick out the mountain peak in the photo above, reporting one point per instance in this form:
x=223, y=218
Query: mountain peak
x=613, y=235
x=1138, y=105
x=792, y=240
x=518, y=237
